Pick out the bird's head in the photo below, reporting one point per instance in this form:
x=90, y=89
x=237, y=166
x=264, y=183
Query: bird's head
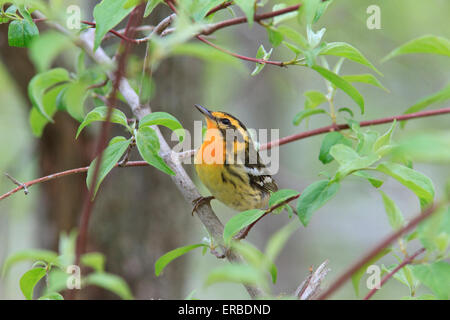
x=227, y=126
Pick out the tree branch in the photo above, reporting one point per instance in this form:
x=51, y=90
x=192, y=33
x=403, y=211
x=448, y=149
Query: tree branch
x=372, y=253
x=339, y=127
x=240, y=20
x=407, y=260
x=269, y=145
x=310, y=287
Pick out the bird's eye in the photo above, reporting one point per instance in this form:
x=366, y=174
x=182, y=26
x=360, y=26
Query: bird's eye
x=225, y=121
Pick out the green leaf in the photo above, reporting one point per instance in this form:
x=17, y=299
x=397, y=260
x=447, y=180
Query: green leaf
x=52, y=43
x=275, y=37
x=255, y=258
x=22, y=32
x=237, y=273
x=107, y=15
x=111, y=283
x=404, y=275
x=281, y=195
x=438, y=97
x=168, y=257
x=364, y=78
x=111, y=155
x=132, y=3
x=331, y=139
x=148, y=145
x=425, y=147
x=49, y=102
x=51, y=296
x=163, y=119
x=299, y=117
x=348, y=110
x=434, y=232
x=74, y=97
x=356, y=277
x=307, y=11
x=384, y=140
x=40, y=83
x=99, y=114
x=56, y=280
x=435, y=276
x=314, y=197
x=278, y=240
x=314, y=98
x=417, y=182
x=248, y=8
x=295, y=49
x=66, y=247
x=426, y=44
x=349, y=160
x=151, y=4
x=95, y=260
x=366, y=142
x=341, y=84
x=240, y=221
x=393, y=212
x=321, y=8
x=200, y=8
x=373, y=181
x=261, y=54
x=293, y=35
x=31, y=255
x=29, y=280
x=342, y=49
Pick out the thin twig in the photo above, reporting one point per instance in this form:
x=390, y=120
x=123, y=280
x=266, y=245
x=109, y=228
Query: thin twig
x=406, y=261
x=339, y=127
x=376, y=250
x=123, y=51
x=275, y=63
x=240, y=20
x=20, y=184
x=244, y=232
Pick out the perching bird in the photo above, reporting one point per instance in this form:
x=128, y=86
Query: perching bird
x=229, y=166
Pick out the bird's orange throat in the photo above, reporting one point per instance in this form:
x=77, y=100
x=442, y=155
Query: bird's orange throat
x=212, y=151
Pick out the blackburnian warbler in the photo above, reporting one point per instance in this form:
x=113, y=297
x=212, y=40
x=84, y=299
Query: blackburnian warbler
x=229, y=165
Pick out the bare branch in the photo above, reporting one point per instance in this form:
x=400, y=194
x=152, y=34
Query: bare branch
x=20, y=184
x=310, y=287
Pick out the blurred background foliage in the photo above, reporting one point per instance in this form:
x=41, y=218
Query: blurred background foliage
x=139, y=214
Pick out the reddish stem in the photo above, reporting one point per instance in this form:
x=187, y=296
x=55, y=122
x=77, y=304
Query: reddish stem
x=372, y=253
x=276, y=63
x=408, y=260
x=133, y=21
x=339, y=127
x=257, y=18
x=269, y=145
x=63, y=174
x=219, y=7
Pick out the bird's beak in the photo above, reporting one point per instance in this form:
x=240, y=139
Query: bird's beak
x=205, y=111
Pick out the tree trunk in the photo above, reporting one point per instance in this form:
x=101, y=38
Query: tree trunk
x=139, y=214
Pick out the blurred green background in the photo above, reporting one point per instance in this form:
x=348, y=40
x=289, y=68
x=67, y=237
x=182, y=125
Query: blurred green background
x=131, y=234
